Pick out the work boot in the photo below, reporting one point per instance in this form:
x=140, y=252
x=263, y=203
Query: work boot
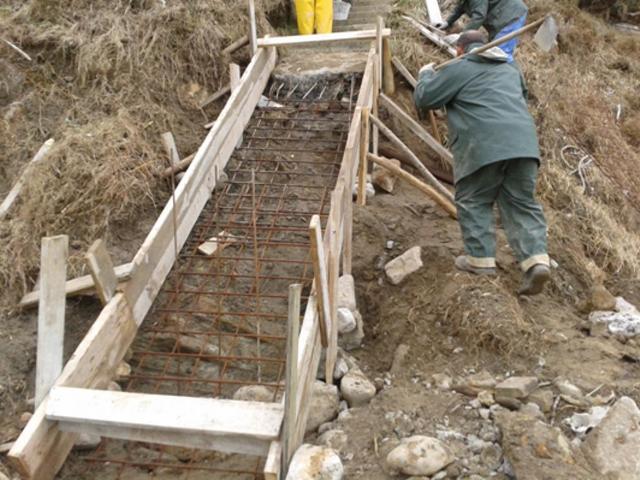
x=462, y=263
x=534, y=279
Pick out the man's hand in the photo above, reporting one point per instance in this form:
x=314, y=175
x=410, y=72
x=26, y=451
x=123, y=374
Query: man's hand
x=428, y=67
x=444, y=25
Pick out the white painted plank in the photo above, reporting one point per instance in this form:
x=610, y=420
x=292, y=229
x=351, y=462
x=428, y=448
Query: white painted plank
x=296, y=40
x=291, y=376
x=433, y=11
x=102, y=271
x=53, y=270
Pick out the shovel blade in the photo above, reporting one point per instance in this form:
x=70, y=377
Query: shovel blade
x=547, y=35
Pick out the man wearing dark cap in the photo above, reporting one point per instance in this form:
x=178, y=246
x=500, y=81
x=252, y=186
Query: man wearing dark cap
x=499, y=17
x=496, y=157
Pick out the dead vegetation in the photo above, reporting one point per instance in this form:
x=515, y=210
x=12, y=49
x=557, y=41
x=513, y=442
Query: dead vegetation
x=106, y=79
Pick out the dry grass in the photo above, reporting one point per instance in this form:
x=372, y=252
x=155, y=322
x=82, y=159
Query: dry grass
x=107, y=78
x=574, y=96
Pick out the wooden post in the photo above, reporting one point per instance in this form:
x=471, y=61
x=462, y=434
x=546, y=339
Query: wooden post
x=234, y=81
x=433, y=11
x=241, y=42
x=102, y=271
x=53, y=274
x=253, y=31
x=291, y=377
x=387, y=70
x=273, y=463
x=376, y=89
x=379, y=29
x=321, y=278
x=363, y=166
x=170, y=147
x=333, y=227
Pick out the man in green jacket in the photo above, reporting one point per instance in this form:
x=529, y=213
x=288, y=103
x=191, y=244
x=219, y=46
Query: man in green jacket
x=496, y=158
x=499, y=17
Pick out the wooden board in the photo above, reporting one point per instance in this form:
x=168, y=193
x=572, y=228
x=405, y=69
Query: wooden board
x=230, y=426
x=321, y=277
x=241, y=42
x=79, y=286
x=289, y=445
x=364, y=149
x=433, y=11
x=253, y=31
x=102, y=271
x=272, y=466
x=53, y=274
x=300, y=40
x=434, y=37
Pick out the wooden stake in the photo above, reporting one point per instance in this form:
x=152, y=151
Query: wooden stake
x=445, y=203
x=376, y=90
x=273, y=463
x=253, y=31
x=234, y=81
x=321, y=278
x=170, y=147
x=238, y=44
x=363, y=166
x=379, y=29
x=178, y=167
x=386, y=131
x=53, y=274
x=212, y=98
x=387, y=70
x=291, y=377
x=102, y=271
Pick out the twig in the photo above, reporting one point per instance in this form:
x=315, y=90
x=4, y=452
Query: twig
x=17, y=49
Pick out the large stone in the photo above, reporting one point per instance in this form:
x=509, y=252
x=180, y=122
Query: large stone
x=601, y=299
x=543, y=398
x=353, y=340
x=516, y=387
x=87, y=441
x=335, y=439
x=419, y=455
x=537, y=451
x=612, y=447
x=347, y=293
x=254, y=393
x=401, y=267
x=325, y=405
x=356, y=388
x=474, y=384
x=383, y=178
x=346, y=320
x=315, y=463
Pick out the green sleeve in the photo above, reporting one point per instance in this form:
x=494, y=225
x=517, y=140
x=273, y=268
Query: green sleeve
x=478, y=14
x=436, y=89
x=457, y=13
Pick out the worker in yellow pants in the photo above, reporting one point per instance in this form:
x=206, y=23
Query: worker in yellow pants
x=314, y=14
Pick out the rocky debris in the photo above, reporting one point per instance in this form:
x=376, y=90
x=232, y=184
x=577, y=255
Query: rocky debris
x=347, y=293
x=383, y=178
x=536, y=451
x=491, y=456
x=353, y=340
x=356, y=388
x=123, y=371
x=624, y=320
x=517, y=388
x=315, y=463
x=581, y=423
x=340, y=370
x=325, y=405
x=254, y=393
x=543, y=398
x=419, y=455
x=602, y=396
x=399, y=356
x=571, y=393
x=370, y=190
x=401, y=267
x=485, y=397
x=334, y=439
x=87, y=441
x=114, y=387
x=533, y=410
x=346, y=321
x=474, y=384
x=613, y=446
x=601, y=299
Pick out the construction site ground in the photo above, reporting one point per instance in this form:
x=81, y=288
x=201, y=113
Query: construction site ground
x=439, y=322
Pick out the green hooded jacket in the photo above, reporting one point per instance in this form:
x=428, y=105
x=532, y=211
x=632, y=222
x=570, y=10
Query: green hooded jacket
x=487, y=112
x=494, y=15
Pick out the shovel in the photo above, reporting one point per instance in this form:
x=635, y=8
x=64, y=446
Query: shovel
x=546, y=39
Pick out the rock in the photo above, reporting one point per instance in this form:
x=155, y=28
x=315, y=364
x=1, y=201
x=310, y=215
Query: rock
x=613, y=446
x=475, y=444
x=353, y=340
x=123, y=371
x=537, y=451
x=581, y=423
x=383, y=178
x=542, y=398
x=315, y=463
x=485, y=398
x=114, y=387
x=453, y=471
x=86, y=441
x=24, y=419
x=3, y=476
x=346, y=320
x=335, y=439
x=442, y=381
x=567, y=388
x=516, y=387
x=399, y=357
x=508, y=402
x=401, y=267
x=601, y=299
x=419, y=455
x=325, y=427
x=347, y=293
x=356, y=388
x=254, y=393
x=474, y=384
x=341, y=369
x=325, y=404
x=532, y=409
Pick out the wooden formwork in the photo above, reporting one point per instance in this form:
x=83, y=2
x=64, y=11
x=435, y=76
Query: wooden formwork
x=46, y=441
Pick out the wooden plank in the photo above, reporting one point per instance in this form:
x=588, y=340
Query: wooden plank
x=253, y=31
x=417, y=164
x=375, y=135
x=238, y=44
x=433, y=11
x=321, y=281
x=79, y=286
x=333, y=231
x=272, y=468
x=178, y=167
x=170, y=147
x=364, y=149
x=13, y=194
x=289, y=445
x=42, y=448
x=430, y=191
x=434, y=37
x=365, y=95
x=219, y=94
x=102, y=271
x=379, y=29
x=229, y=426
x=416, y=128
x=51, y=309
x=303, y=40
x=388, y=80
x=234, y=81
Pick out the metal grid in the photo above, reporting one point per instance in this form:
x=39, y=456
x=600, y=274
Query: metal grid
x=219, y=322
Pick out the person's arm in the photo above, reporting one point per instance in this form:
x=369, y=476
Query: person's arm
x=436, y=89
x=478, y=14
x=456, y=14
